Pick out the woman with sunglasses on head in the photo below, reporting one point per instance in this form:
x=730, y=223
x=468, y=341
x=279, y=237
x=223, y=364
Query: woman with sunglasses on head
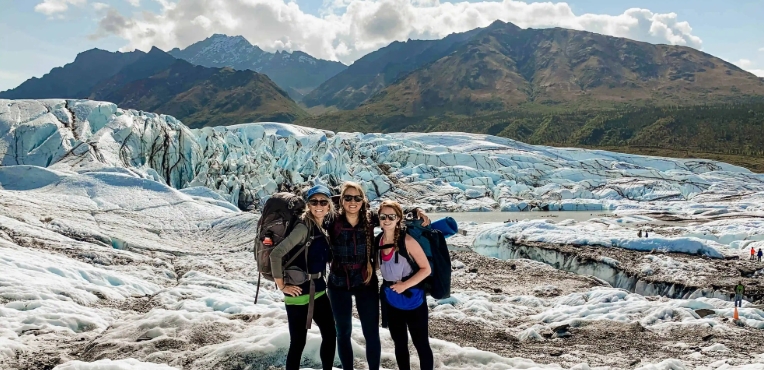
x=299, y=306
x=404, y=266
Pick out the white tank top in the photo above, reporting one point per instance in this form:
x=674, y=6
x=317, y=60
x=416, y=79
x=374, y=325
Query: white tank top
x=392, y=271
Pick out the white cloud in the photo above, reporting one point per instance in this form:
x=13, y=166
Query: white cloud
x=348, y=29
x=50, y=7
x=135, y=3
x=748, y=65
x=112, y=23
x=761, y=49
x=744, y=63
x=100, y=6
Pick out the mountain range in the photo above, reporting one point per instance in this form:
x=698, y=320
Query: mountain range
x=543, y=86
x=76, y=79
x=297, y=73
x=554, y=87
x=377, y=70
x=505, y=67
x=158, y=82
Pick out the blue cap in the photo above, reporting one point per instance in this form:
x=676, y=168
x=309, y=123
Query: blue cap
x=319, y=189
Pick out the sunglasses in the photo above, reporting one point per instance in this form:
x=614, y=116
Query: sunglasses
x=315, y=202
x=351, y=198
x=385, y=216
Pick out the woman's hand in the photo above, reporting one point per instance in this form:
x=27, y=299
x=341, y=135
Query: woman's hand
x=423, y=217
x=399, y=287
x=292, y=290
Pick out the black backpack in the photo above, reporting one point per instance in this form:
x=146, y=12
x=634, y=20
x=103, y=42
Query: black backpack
x=281, y=213
x=438, y=284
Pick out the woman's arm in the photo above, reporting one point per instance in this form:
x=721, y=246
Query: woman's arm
x=297, y=237
x=415, y=251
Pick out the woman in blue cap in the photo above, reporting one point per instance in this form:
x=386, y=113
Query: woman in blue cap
x=301, y=308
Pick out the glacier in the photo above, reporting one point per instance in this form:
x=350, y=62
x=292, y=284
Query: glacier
x=125, y=243
x=106, y=270
x=438, y=171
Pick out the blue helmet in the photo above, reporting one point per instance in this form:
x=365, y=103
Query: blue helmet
x=319, y=189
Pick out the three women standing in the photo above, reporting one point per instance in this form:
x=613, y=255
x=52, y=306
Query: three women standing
x=347, y=241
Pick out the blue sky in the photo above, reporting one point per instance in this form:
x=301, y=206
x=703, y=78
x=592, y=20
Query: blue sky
x=35, y=38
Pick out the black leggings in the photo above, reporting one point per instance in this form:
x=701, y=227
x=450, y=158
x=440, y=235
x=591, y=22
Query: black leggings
x=416, y=322
x=367, y=305
x=297, y=315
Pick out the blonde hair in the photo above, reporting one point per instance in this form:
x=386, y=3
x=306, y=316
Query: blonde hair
x=399, y=219
x=365, y=221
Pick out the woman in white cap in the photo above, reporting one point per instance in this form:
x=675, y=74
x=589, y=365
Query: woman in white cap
x=305, y=297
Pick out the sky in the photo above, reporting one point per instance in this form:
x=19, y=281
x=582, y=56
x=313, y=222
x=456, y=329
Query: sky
x=38, y=35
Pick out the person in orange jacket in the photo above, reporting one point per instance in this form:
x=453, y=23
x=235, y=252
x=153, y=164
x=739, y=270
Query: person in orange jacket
x=753, y=253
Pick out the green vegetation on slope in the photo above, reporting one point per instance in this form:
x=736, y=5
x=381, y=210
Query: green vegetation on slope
x=200, y=96
x=731, y=132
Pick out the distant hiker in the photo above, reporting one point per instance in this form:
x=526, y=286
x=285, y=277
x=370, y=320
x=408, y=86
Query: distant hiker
x=308, y=249
x=753, y=253
x=760, y=254
x=646, y=234
x=739, y=291
x=352, y=272
x=639, y=234
x=404, y=267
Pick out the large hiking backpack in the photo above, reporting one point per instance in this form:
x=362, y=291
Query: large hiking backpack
x=438, y=284
x=281, y=213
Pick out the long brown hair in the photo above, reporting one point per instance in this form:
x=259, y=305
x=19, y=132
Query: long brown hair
x=398, y=221
x=364, y=220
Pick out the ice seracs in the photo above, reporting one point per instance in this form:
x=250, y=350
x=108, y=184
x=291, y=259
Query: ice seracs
x=442, y=171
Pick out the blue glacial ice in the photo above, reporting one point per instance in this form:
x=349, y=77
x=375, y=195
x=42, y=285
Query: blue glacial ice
x=444, y=171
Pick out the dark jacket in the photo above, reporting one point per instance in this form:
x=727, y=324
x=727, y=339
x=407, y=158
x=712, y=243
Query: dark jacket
x=349, y=257
x=317, y=258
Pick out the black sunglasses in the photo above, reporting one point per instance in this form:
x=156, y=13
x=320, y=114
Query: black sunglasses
x=391, y=217
x=349, y=198
x=322, y=202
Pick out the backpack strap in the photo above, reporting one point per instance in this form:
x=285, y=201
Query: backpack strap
x=405, y=253
x=302, y=249
x=311, y=277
